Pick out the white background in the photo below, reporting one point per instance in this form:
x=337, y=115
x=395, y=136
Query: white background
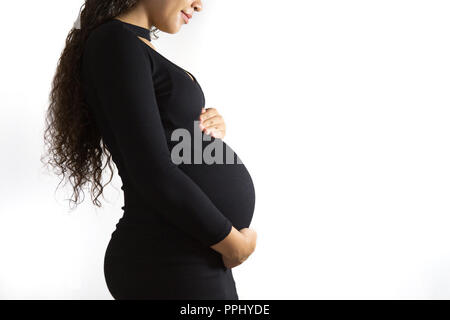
x=339, y=109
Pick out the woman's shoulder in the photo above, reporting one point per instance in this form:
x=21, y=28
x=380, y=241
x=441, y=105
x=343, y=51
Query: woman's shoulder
x=110, y=34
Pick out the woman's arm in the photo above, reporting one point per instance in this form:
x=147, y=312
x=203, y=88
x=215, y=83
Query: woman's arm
x=121, y=73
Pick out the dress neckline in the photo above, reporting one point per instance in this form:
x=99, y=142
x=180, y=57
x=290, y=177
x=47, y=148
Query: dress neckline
x=145, y=33
x=140, y=31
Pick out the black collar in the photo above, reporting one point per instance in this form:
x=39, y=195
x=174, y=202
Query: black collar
x=138, y=30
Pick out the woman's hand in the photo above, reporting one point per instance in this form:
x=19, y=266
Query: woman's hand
x=247, y=249
x=212, y=123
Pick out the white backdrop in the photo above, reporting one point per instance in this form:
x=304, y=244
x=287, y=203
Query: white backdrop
x=339, y=109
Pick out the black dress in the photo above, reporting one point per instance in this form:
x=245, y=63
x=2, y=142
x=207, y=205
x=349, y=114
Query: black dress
x=173, y=210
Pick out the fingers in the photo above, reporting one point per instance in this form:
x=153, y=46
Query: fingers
x=216, y=131
x=212, y=121
x=208, y=113
x=218, y=134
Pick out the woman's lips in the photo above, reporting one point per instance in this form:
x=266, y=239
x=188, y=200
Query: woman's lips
x=185, y=17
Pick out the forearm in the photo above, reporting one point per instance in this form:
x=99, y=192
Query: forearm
x=234, y=246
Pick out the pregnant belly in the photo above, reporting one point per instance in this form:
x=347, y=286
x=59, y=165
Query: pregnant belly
x=227, y=183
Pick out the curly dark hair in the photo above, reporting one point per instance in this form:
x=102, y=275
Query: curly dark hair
x=75, y=147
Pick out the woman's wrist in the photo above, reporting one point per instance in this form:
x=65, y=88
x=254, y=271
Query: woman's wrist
x=234, y=246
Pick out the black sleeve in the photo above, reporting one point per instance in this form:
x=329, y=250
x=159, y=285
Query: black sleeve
x=122, y=77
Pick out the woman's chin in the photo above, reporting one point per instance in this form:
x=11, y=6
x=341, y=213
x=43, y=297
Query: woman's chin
x=172, y=28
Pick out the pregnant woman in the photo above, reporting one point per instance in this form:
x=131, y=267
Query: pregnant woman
x=185, y=223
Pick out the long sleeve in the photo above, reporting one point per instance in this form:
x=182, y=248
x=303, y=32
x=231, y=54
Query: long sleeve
x=121, y=74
